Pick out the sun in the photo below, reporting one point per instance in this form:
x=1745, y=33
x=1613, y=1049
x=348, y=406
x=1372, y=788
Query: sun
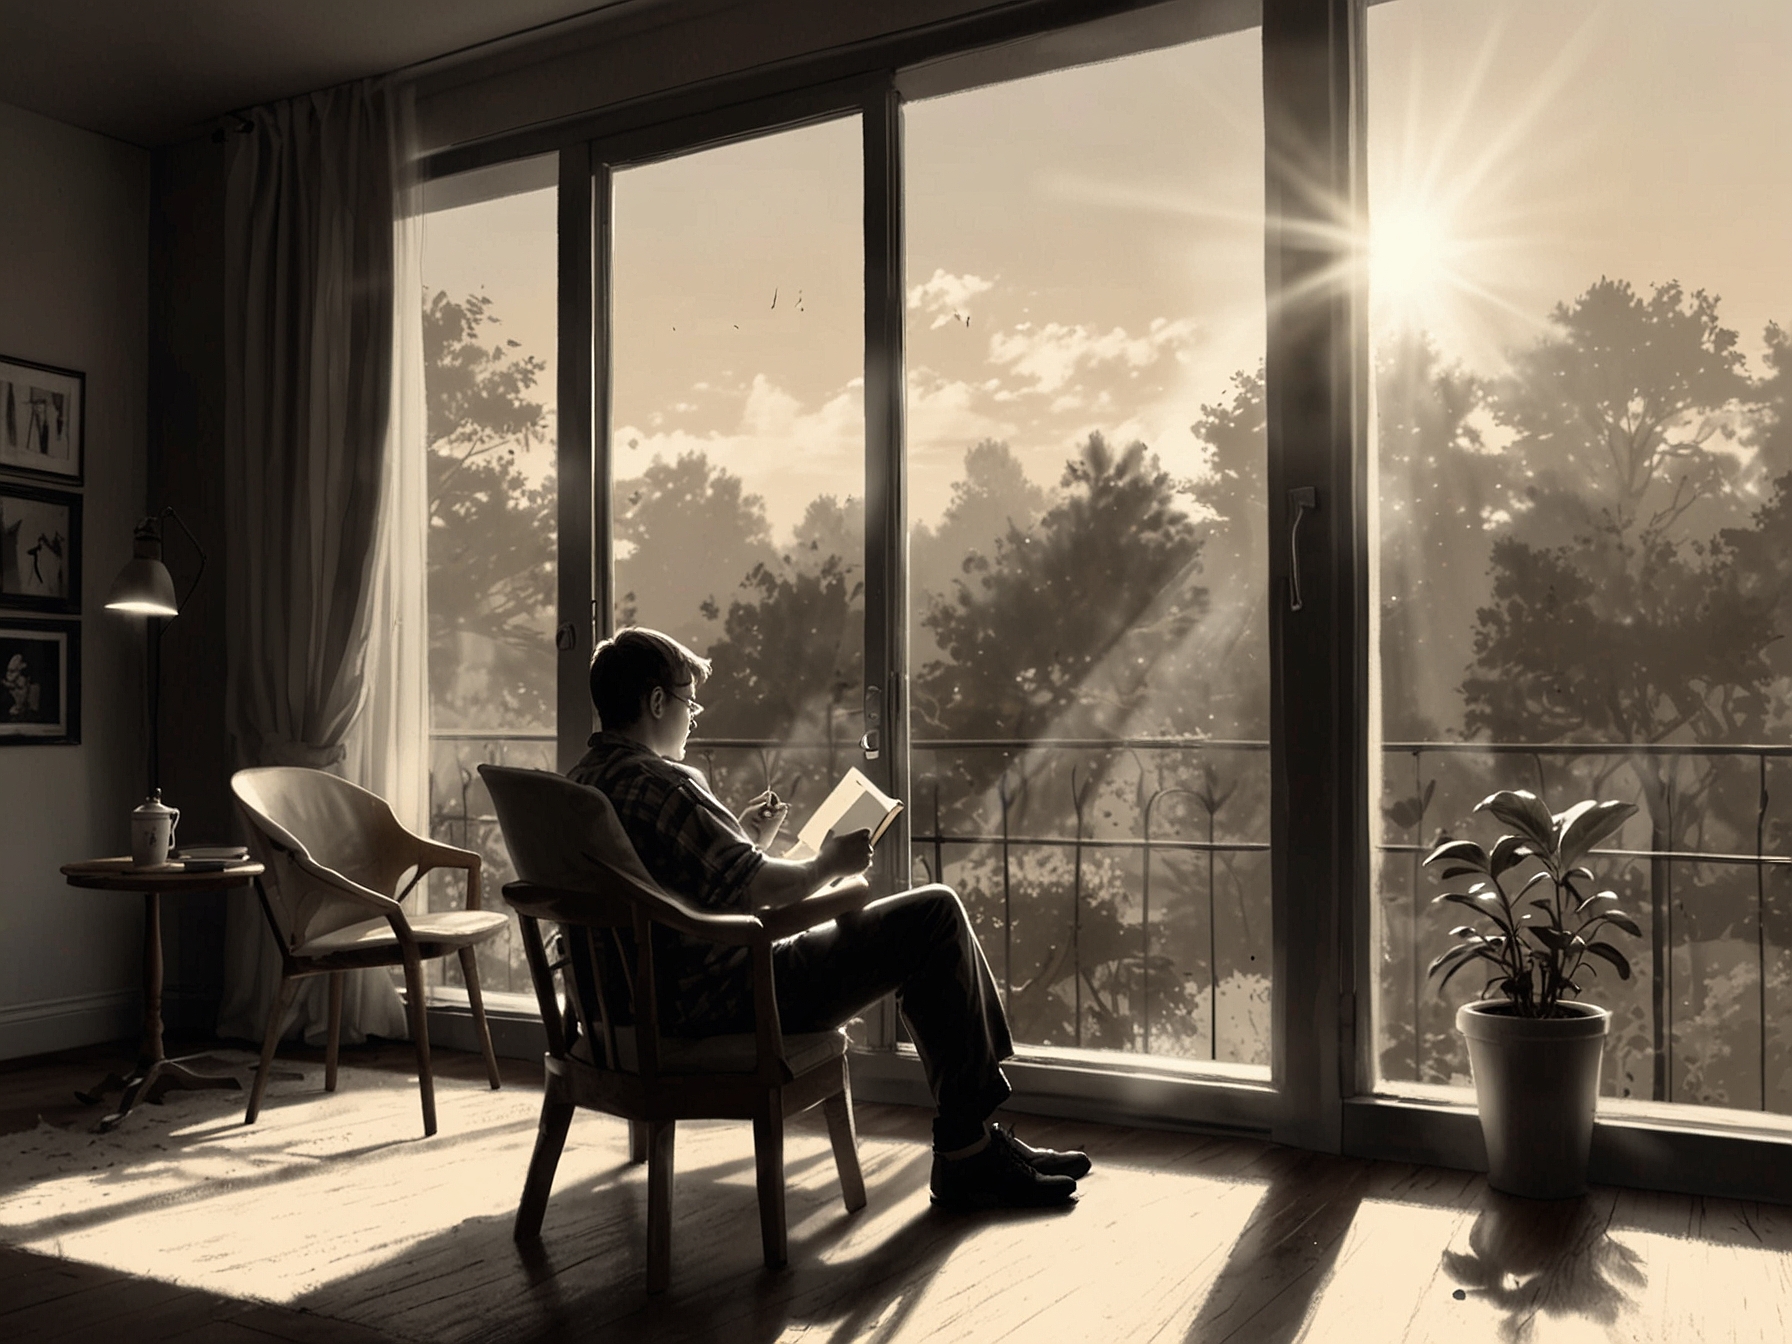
x=1413, y=264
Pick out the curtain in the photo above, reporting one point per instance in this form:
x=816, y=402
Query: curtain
x=311, y=199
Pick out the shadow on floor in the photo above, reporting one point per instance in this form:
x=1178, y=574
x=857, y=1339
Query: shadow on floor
x=1557, y=1257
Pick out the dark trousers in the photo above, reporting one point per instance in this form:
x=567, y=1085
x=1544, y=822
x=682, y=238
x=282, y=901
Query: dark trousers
x=918, y=945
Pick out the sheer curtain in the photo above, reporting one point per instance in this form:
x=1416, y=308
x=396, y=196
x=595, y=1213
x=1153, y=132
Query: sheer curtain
x=324, y=596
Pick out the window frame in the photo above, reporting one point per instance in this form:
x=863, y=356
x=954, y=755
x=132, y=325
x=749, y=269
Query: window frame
x=1317, y=391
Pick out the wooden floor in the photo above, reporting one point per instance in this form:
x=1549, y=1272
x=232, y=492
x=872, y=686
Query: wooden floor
x=1175, y=1238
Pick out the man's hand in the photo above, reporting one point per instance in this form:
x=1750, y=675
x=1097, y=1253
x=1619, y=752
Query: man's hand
x=780, y=882
x=762, y=817
x=844, y=855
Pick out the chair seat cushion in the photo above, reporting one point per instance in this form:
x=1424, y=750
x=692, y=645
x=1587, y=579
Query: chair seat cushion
x=454, y=928
x=737, y=1052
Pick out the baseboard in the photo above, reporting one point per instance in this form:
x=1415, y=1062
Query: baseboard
x=64, y=1024
x=514, y=1035
x=1684, y=1158
x=1073, y=1091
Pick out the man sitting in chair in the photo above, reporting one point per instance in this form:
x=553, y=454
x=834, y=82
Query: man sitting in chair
x=917, y=944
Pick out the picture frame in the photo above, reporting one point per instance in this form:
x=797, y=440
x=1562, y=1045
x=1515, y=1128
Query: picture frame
x=40, y=682
x=43, y=420
x=40, y=549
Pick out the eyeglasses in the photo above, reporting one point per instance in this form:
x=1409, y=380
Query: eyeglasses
x=690, y=702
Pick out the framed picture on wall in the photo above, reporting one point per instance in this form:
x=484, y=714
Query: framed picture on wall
x=40, y=682
x=43, y=414
x=40, y=549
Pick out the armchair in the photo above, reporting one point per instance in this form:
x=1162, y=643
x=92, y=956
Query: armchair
x=338, y=867
x=598, y=1000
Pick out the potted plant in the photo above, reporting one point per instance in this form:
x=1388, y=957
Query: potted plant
x=1533, y=1048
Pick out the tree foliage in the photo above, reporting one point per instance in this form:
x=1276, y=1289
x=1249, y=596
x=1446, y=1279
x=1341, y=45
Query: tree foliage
x=1058, y=630
x=491, y=556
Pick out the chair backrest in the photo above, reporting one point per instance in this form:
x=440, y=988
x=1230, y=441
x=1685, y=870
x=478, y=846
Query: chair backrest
x=296, y=813
x=561, y=833
x=566, y=838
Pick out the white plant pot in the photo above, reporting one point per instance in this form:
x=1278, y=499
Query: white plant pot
x=1536, y=1083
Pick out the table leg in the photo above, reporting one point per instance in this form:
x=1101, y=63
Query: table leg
x=112, y=1082
x=155, y=1073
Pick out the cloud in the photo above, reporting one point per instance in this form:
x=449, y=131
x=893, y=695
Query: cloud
x=948, y=297
x=783, y=450
x=1049, y=357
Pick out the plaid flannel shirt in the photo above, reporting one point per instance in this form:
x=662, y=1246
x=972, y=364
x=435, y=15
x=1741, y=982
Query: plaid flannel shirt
x=693, y=847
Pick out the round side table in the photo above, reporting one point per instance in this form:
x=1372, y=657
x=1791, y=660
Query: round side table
x=154, y=1073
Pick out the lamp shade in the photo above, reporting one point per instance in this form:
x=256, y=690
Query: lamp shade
x=144, y=586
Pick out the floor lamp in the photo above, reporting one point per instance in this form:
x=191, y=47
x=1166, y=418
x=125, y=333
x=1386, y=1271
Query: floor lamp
x=145, y=588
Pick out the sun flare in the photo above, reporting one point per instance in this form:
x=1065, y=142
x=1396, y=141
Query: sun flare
x=1412, y=264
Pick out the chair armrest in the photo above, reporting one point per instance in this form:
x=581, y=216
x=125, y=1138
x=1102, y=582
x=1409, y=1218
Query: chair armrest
x=380, y=903
x=830, y=903
x=434, y=854
x=570, y=906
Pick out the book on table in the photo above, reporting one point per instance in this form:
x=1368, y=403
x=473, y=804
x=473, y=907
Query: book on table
x=856, y=804
x=208, y=858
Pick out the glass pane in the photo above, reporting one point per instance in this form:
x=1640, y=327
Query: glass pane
x=1088, y=564
x=738, y=445
x=1579, y=283
x=489, y=332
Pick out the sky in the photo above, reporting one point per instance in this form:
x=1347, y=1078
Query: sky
x=1085, y=247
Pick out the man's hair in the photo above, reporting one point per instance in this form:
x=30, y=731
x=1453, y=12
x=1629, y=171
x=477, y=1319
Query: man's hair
x=627, y=666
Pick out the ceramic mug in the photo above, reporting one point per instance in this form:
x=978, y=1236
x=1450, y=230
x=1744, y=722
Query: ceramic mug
x=152, y=832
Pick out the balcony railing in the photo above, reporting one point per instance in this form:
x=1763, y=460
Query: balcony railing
x=1094, y=870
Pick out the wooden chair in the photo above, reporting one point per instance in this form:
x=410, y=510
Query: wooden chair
x=335, y=859
x=600, y=1005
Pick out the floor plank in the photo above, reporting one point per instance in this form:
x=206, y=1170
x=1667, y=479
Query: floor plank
x=335, y=1220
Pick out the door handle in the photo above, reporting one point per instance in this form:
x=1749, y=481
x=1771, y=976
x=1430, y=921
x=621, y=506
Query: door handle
x=1302, y=499
x=872, y=741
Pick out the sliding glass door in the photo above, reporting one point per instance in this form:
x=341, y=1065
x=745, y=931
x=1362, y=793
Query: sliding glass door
x=736, y=444
x=1580, y=287
x=490, y=357
x=1089, y=674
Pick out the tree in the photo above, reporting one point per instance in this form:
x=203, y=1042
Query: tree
x=687, y=535
x=1617, y=612
x=1437, y=489
x=790, y=660
x=1057, y=631
x=1608, y=620
x=491, y=555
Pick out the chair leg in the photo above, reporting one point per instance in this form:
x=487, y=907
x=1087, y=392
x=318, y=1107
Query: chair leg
x=768, y=1155
x=469, y=971
x=269, y=1039
x=637, y=1141
x=660, y=1134
x=845, y=1138
x=413, y=993
x=550, y=1139
x=334, y=1045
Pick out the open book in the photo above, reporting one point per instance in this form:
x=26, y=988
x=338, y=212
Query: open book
x=856, y=804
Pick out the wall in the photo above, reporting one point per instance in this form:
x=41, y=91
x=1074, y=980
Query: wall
x=186, y=456
x=73, y=223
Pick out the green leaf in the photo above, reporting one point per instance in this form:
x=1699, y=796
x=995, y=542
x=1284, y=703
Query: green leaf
x=1460, y=870
x=1535, y=879
x=1559, y=940
x=1475, y=954
x=1508, y=850
x=1524, y=812
x=1611, y=954
x=1616, y=918
x=1461, y=952
x=1487, y=905
x=1585, y=824
x=1463, y=851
